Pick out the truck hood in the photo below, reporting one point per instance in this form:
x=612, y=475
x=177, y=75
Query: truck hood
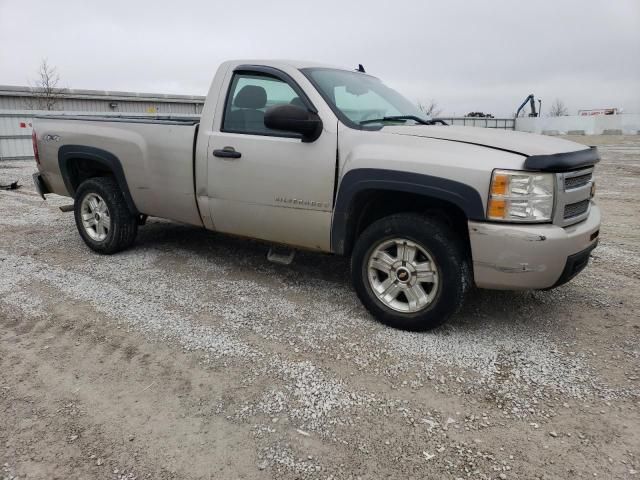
x=522, y=143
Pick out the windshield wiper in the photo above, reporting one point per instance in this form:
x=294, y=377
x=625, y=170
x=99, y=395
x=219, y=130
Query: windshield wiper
x=396, y=118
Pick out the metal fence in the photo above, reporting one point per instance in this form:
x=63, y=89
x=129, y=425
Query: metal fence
x=503, y=123
x=16, y=127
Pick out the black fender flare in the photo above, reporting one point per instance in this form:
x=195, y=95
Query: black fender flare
x=68, y=153
x=463, y=196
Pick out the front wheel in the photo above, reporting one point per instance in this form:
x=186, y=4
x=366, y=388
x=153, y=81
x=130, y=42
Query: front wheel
x=410, y=271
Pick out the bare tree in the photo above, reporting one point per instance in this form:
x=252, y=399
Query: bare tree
x=430, y=109
x=558, y=109
x=45, y=88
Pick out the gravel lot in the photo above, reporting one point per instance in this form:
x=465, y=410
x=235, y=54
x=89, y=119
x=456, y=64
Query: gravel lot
x=191, y=356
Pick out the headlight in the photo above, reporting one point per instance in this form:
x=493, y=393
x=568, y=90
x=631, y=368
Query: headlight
x=520, y=196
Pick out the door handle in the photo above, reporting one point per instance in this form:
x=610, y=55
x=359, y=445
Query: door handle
x=227, y=152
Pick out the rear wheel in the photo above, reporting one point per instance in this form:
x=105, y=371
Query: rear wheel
x=103, y=219
x=410, y=271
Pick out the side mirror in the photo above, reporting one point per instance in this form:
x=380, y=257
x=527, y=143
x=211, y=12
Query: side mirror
x=292, y=118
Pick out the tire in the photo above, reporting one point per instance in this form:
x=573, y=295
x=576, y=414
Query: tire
x=104, y=221
x=438, y=265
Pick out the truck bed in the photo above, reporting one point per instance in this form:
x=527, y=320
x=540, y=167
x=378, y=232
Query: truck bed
x=155, y=153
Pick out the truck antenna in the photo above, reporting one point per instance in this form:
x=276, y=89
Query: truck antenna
x=360, y=68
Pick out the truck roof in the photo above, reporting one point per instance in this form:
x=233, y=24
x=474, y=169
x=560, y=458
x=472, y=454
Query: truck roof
x=297, y=64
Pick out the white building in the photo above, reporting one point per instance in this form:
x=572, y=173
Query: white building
x=19, y=104
x=25, y=98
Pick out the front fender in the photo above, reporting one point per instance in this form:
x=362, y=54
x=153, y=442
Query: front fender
x=359, y=180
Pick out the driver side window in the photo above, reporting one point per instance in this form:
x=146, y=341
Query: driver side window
x=250, y=95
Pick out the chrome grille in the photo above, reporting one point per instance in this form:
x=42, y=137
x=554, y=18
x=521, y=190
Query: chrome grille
x=575, y=209
x=573, y=196
x=577, y=182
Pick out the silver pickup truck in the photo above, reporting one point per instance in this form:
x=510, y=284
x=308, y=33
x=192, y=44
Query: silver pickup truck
x=312, y=157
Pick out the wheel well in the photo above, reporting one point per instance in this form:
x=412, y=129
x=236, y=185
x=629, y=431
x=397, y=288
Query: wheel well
x=371, y=205
x=80, y=162
x=81, y=169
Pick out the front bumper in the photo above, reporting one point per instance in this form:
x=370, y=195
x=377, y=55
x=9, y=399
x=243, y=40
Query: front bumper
x=522, y=257
x=41, y=187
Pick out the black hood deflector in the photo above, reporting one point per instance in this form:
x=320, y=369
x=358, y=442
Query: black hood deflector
x=561, y=162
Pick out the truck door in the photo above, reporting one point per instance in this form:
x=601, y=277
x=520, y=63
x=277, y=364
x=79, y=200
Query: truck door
x=265, y=183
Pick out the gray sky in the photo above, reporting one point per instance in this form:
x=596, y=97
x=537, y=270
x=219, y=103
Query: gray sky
x=481, y=55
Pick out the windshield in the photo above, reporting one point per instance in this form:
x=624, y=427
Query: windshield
x=360, y=99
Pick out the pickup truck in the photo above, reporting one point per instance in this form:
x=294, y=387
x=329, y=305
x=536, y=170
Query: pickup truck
x=306, y=156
